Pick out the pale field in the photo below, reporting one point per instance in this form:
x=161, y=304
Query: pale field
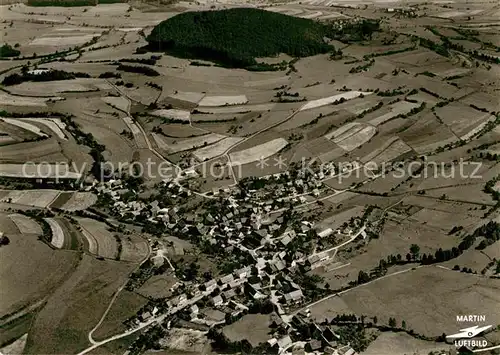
x=118, y=102
x=396, y=109
x=52, y=88
x=351, y=135
x=6, y=140
x=186, y=341
x=388, y=343
x=257, y=152
x=57, y=233
x=17, y=347
x=25, y=125
x=106, y=243
x=390, y=150
x=54, y=124
x=25, y=224
x=331, y=99
x=447, y=293
x=216, y=101
x=173, y=113
x=216, y=149
x=175, y=146
x=237, y=109
x=11, y=100
x=35, y=198
x=32, y=170
x=79, y=201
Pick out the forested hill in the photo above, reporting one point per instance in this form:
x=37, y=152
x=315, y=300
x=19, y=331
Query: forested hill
x=235, y=37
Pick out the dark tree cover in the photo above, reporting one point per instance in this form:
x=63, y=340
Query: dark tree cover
x=235, y=37
x=7, y=51
x=51, y=75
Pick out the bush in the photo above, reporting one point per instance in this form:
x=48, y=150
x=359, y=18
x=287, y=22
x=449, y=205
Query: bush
x=7, y=51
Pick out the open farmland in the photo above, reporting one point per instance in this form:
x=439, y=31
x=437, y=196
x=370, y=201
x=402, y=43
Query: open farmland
x=25, y=224
x=352, y=135
x=25, y=125
x=178, y=145
x=329, y=146
x=331, y=99
x=53, y=124
x=100, y=241
x=216, y=149
x=448, y=293
x=259, y=152
x=35, y=198
x=57, y=233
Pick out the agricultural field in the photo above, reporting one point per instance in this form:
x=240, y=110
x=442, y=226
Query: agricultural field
x=329, y=146
x=448, y=293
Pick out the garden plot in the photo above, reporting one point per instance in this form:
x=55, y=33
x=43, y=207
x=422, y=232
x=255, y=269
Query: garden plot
x=79, y=201
x=259, y=152
x=117, y=102
x=216, y=149
x=38, y=171
x=390, y=150
x=11, y=100
x=138, y=136
x=401, y=107
x=57, y=233
x=216, y=101
x=54, y=124
x=352, y=135
x=101, y=241
x=35, y=198
x=349, y=95
x=187, y=144
x=236, y=109
x=24, y=125
x=463, y=120
x=25, y=224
